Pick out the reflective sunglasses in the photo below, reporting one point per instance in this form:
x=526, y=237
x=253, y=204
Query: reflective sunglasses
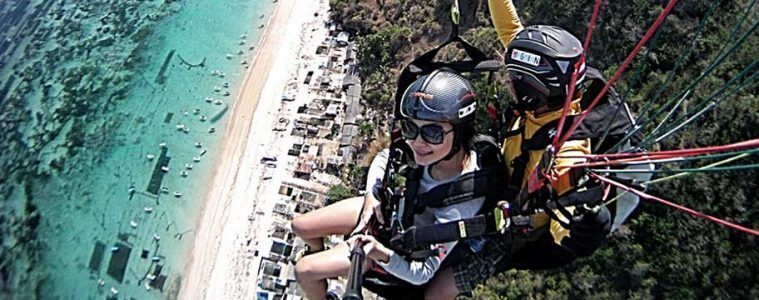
x=431, y=133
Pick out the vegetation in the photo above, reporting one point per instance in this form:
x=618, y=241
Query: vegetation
x=660, y=253
x=336, y=193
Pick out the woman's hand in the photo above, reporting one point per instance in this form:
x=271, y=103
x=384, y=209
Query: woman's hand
x=371, y=208
x=373, y=249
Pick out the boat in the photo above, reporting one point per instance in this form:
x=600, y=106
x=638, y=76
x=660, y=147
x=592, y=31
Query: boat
x=226, y=84
x=196, y=159
x=240, y=52
x=209, y=99
x=162, y=145
x=177, y=194
x=242, y=42
x=244, y=62
x=101, y=282
x=261, y=16
x=198, y=144
x=186, y=130
x=243, y=36
x=165, y=168
x=148, y=209
x=133, y=224
x=196, y=111
x=164, y=190
x=215, y=72
x=188, y=166
x=150, y=156
x=147, y=286
x=260, y=26
x=156, y=237
x=151, y=277
x=226, y=93
x=204, y=151
x=180, y=127
x=222, y=74
x=114, y=291
x=203, y=118
x=212, y=130
x=217, y=102
x=217, y=88
x=229, y=56
x=183, y=173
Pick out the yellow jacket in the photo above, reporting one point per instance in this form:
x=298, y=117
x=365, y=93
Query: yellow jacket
x=505, y=20
x=507, y=25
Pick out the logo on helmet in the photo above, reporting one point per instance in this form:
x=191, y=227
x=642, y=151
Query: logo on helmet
x=424, y=96
x=467, y=110
x=525, y=57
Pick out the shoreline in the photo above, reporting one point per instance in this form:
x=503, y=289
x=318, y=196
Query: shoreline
x=205, y=258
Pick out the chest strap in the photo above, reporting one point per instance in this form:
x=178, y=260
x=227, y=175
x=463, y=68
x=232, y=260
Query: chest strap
x=481, y=183
x=492, y=222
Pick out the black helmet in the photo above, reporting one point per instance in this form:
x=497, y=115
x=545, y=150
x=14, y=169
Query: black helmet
x=442, y=95
x=540, y=61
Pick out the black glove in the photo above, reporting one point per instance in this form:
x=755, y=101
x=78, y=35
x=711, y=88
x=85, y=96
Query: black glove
x=588, y=230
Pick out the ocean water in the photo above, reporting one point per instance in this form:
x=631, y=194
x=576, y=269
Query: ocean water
x=96, y=97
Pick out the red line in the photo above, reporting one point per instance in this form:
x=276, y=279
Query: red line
x=672, y=153
x=592, y=25
x=621, y=69
x=568, y=101
x=677, y=206
x=573, y=80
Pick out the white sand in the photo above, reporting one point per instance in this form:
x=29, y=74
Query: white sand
x=221, y=264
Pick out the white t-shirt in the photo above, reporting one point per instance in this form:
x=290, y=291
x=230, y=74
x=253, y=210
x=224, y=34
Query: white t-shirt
x=420, y=272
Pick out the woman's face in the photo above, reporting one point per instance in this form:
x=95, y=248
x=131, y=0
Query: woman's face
x=425, y=152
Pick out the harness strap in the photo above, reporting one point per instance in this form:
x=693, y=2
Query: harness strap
x=542, y=138
x=420, y=237
x=409, y=203
x=484, y=182
x=424, y=236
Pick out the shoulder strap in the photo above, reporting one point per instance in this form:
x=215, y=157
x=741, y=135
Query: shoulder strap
x=410, y=196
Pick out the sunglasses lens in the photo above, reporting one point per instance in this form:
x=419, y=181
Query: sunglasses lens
x=433, y=134
x=409, y=130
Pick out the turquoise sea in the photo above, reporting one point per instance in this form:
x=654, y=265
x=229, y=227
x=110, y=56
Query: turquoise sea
x=109, y=109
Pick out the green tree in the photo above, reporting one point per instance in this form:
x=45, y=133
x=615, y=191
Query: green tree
x=337, y=192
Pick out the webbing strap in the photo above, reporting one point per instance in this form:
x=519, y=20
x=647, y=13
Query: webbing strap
x=409, y=203
x=481, y=183
x=423, y=236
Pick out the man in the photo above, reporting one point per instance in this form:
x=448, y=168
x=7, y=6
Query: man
x=539, y=63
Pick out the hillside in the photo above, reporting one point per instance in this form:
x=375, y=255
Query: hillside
x=661, y=253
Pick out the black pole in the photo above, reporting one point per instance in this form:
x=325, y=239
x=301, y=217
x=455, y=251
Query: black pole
x=355, y=278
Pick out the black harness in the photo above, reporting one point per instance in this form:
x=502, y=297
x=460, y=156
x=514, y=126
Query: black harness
x=611, y=118
x=486, y=182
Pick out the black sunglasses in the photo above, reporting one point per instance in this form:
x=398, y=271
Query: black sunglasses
x=431, y=133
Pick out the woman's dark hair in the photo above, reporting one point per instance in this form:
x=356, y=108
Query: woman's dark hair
x=465, y=134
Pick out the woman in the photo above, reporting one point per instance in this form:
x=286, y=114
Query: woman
x=438, y=125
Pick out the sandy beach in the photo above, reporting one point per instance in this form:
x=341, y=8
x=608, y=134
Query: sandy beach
x=218, y=268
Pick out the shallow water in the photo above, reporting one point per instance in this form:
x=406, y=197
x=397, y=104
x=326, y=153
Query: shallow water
x=86, y=97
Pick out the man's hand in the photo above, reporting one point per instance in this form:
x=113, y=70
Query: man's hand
x=588, y=231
